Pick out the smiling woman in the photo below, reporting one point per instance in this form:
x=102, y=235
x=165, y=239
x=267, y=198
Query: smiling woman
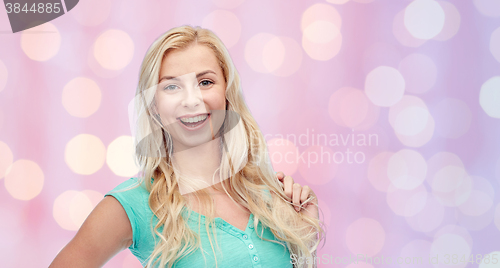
x=207, y=195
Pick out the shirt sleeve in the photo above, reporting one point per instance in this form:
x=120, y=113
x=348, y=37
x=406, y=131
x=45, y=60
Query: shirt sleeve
x=132, y=197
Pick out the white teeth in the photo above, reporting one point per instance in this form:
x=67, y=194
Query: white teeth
x=194, y=119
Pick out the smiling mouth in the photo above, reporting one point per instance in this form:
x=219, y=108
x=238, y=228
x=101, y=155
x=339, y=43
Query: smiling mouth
x=195, y=121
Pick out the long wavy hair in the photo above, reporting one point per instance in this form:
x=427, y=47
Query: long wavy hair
x=245, y=163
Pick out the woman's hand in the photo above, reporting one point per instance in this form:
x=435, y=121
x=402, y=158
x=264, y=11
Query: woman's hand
x=303, y=198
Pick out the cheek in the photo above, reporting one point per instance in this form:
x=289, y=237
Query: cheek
x=166, y=110
x=215, y=101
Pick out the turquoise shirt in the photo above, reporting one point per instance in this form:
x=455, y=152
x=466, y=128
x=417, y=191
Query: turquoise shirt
x=237, y=248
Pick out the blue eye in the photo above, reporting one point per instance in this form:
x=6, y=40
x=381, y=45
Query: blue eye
x=206, y=81
x=169, y=87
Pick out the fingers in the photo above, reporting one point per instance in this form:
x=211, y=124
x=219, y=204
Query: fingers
x=294, y=191
x=304, y=194
x=297, y=192
x=280, y=175
x=288, y=186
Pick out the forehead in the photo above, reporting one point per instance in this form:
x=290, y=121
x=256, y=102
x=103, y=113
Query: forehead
x=194, y=58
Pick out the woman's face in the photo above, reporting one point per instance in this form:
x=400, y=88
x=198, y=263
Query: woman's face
x=191, y=95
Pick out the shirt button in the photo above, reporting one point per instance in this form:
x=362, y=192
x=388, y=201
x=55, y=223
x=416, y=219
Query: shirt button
x=250, y=246
x=245, y=236
x=255, y=258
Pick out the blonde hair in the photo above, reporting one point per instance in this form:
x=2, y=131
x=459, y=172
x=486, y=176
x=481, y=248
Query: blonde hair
x=244, y=161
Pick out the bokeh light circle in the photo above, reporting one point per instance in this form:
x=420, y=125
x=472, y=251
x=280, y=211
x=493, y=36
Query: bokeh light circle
x=6, y=158
x=429, y=218
x=451, y=185
x=412, y=122
x=419, y=72
x=421, y=138
x=406, y=203
x=377, y=171
x=354, y=108
x=273, y=54
x=114, y=49
x=320, y=12
x=424, y=19
x=407, y=169
x=120, y=157
x=384, y=86
x=441, y=160
x=321, y=39
x=349, y=107
x=491, y=263
x=225, y=24
x=267, y=53
x=315, y=168
x=453, y=118
x=42, y=42
x=401, y=33
x=497, y=216
x=321, y=32
x=405, y=102
x=450, y=244
x=85, y=154
x=495, y=44
x=474, y=223
x=254, y=51
x=456, y=230
x=81, y=97
x=489, y=8
x=365, y=236
x=451, y=22
x=92, y=12
x=419, y=249
x=283, y=155
x=477, y=204
x=24, y=179
x=322, y=52
x=292, y=58
x=71, y=208
x=489, y=97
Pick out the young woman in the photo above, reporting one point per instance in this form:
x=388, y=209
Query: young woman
x=207, y=195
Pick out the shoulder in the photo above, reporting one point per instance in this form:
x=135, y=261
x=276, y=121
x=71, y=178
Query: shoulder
x=133, y=198
x=130, y=191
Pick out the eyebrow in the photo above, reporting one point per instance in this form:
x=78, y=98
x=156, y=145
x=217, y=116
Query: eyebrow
x=197, y=76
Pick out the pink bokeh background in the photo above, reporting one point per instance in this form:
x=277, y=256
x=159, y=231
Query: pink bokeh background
x=389, y=110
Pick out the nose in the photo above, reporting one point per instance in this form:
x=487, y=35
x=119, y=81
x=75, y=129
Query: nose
x=192, y=97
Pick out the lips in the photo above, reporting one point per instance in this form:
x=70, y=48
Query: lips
x=194, y=122
x=191, y=116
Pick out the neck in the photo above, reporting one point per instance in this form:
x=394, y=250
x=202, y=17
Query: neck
x=196, y=167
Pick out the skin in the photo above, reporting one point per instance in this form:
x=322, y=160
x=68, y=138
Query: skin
x=107, y=229
x=298, y=195
x=196, y=85
x=192, y=82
